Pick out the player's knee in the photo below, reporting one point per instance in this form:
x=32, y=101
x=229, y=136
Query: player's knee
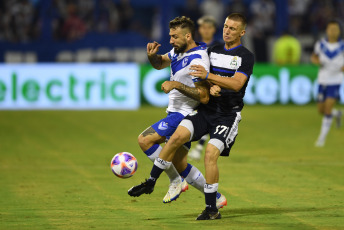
x=179, y=138
x=211, y=155
x=321, y=110
x=144, y=142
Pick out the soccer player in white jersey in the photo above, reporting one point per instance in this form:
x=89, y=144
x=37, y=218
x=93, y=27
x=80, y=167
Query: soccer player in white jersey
x=329, y=55
x=185, y=93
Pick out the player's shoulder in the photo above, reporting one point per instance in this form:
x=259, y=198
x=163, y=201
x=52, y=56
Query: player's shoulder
x=245, y=52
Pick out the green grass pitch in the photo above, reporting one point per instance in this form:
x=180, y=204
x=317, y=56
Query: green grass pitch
x=55, y=173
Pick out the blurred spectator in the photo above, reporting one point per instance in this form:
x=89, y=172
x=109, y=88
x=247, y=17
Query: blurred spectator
x=126, y=14
x=214, y=8
x=191, y=10
x=236, y=6
x=261, y=26
x=287, y=50
x=107, y=17
x=73, y=28
x=207, y=30
x=18, y=21
x=297, y=15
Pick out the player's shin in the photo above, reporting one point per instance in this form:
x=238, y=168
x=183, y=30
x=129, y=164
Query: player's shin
x=194, y=177
x=210, y=191
x=153, y=152
x=159, y=166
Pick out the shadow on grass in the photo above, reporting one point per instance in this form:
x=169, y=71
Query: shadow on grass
x=241, y=212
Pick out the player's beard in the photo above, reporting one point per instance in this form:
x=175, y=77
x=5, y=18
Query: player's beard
x=181, y=49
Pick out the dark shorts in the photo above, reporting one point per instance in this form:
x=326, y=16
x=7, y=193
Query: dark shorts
x=328, y=91
x=168, y=125
x=222, y=130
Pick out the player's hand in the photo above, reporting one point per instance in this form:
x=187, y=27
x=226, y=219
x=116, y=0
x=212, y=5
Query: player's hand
x=167, y=86
x=215, y=90
x=198, y=71
x=152, y=48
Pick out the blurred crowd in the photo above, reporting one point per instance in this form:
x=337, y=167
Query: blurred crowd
x=70, y=20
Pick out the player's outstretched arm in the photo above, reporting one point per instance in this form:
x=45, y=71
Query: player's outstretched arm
x=157, y=61
x=315, y=59
x=233, y=83
x=199, y=93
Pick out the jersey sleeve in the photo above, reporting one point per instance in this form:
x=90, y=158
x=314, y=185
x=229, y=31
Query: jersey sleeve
x=171, y=54
x=246, y=66
x=317, y=48
x=203, y=61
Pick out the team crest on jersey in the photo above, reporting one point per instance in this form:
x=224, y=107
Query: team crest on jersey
x=185, y=61
x=163, y=125
x=234, y=64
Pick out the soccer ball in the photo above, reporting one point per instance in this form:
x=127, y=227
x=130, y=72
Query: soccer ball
x=124, y=164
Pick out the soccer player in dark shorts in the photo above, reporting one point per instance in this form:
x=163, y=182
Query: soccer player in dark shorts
x=231, y=66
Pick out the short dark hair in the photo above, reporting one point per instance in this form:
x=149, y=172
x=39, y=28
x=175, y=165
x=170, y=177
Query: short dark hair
x=238, y=17
x=333, y=21
x=183, y=22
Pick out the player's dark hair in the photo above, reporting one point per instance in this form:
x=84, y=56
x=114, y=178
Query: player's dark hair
x=183, y=22
x=340, y=25
x=238, y=17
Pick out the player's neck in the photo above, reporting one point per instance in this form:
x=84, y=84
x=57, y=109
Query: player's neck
x=190, y=46
x=233, y=44
x=332, y=40
x=207, y=41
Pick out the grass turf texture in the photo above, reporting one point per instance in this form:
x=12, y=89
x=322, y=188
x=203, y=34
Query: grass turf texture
x=55, y=174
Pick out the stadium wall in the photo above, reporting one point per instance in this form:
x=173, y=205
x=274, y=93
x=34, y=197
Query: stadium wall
x=127, y=86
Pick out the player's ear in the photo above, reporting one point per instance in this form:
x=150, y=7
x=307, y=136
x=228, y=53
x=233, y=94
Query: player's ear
x=242, y=33
x=188, y=36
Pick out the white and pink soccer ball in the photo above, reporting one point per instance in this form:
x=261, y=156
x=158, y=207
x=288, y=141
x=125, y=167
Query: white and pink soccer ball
x=124, y=164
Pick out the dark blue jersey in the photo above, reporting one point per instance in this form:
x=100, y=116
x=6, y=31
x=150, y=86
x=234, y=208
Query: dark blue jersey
x=226, y=62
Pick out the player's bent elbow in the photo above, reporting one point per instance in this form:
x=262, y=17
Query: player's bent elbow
x=204, y=98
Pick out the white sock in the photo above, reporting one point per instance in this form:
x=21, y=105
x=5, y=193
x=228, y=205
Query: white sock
x=171, y=171
x=335, y=112
x=196, y=179
x=155, y=154
x=325, y=127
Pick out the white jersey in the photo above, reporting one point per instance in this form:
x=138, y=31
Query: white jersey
x=331, y=57
x=180, y=69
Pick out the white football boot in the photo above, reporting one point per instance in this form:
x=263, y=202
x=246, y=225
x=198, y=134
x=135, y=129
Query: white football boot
x=221, y=200
x=175, y=190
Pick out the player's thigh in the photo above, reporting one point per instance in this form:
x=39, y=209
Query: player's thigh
x=180, y=136
x=180, y=159
x=224, y=132
x=321, y=107
x=149, y=135
x=196, y=124
x=329, y=104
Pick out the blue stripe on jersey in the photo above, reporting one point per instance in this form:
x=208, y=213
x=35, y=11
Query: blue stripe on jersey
x=178, y=65
x=222, y=70
x=331, y=54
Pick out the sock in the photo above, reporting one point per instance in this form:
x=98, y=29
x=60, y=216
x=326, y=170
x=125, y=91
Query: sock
x=153, y=152
x=210, y=191
x=335, y=112
x=325, y=126
x=159, y=166
x=194, y=177
x=172, y=173
x=203, y=139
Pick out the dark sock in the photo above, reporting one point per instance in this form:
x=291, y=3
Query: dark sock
x=155, y=173
x=210, y=201
x=201, y=142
